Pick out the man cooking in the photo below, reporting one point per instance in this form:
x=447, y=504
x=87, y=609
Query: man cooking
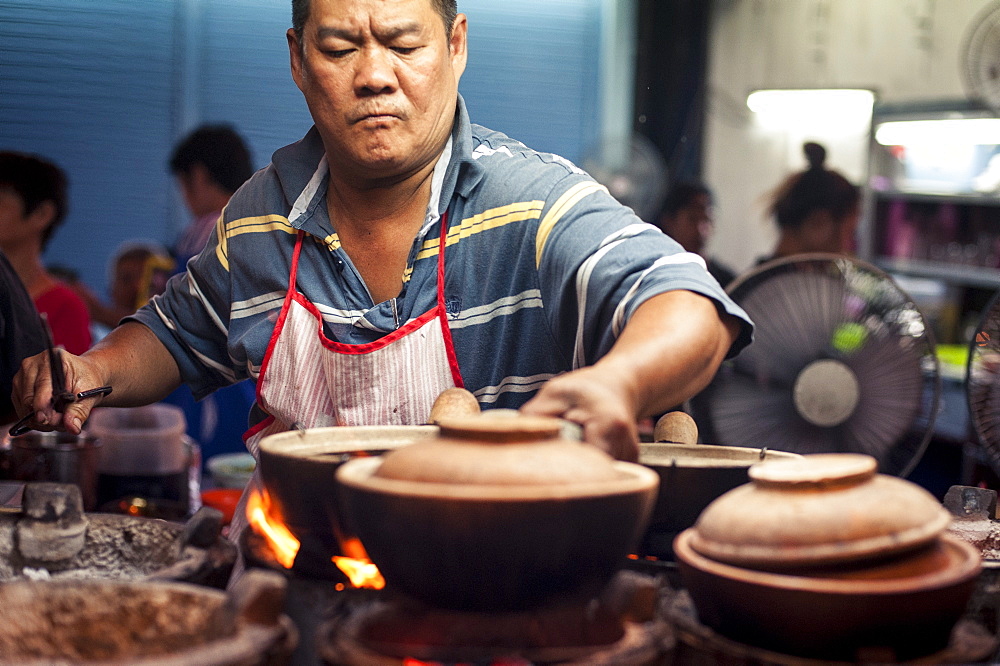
x=398, y=250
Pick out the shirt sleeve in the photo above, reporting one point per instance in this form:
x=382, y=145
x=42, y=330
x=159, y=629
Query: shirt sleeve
x=598, y=262
x=191, y=319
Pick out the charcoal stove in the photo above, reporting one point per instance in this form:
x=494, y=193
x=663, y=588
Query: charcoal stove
x=342, y=625
x=49, y=536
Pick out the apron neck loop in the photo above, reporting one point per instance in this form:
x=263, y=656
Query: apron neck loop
x=441, y=246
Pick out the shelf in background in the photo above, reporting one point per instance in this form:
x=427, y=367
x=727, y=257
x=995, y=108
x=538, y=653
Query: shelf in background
x=977, y=276
x=931, y=197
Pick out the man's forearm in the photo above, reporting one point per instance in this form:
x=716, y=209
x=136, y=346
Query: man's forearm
x=138, y=367
x=670, y=350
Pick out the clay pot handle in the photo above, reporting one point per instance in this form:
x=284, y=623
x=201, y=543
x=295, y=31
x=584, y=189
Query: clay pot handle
x=453, y=402
x=676, y=428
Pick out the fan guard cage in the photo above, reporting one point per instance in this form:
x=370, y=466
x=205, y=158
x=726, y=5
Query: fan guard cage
x=981, y=57
x=982, y=384
x=842, y=361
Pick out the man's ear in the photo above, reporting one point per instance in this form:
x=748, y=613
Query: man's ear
x=459, y=45
x=295, y=56
x=43, y=215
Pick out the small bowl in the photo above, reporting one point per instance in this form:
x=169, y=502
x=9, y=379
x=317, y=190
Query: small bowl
x=906, y=603
x=231, y=470
x=499, y=523
x=819, y=509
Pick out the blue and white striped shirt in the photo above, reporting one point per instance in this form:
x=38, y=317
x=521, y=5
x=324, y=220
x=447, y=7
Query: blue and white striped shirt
x=543, y=269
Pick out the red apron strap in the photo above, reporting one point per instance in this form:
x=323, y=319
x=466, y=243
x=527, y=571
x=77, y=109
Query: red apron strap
x=449, y=345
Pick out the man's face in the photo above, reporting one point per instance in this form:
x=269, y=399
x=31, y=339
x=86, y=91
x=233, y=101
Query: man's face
x=17, y=227
x=692, y=225
x=380, y=78
x=125, y=281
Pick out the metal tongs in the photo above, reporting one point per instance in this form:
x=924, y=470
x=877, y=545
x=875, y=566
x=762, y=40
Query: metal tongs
x=62, y=398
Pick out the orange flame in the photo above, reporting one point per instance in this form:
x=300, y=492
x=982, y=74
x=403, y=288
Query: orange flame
x=283, y=543
x=356, y=565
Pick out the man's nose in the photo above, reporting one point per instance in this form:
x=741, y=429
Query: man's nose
x=375, y=72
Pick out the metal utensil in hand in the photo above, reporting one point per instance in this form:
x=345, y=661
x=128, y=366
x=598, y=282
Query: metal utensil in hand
x=62, y=397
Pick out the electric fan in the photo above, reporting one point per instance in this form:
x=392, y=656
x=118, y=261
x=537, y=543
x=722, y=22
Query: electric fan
x=982, y=384
x=842, y=361
x=981, y=57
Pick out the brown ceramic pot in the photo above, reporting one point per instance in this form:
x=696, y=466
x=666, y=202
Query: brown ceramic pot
x=903, y=607
x=692, y=475
x=298, y=471
x=817, y=510
x=497, y=514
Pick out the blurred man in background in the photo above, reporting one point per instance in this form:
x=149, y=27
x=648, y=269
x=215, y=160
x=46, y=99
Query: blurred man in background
x=686, y=216
x=209, y=164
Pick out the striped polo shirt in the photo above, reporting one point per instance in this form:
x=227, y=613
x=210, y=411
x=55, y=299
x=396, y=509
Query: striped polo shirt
x=543, y=268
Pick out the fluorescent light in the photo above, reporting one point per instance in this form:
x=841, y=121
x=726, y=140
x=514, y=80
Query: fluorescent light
x=952, y=131
x=832, y=101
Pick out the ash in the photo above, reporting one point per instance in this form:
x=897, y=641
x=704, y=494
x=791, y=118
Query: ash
x=73, y=624
x=982, y=534
x=116, y=547
x=36, y=574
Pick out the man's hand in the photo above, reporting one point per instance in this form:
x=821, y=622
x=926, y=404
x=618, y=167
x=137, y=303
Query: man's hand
x=668, y=352
x=592, y=399
x=131, y=360
x=33, y=391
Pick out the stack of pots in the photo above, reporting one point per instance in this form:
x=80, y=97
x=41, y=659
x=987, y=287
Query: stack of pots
x=823, y=557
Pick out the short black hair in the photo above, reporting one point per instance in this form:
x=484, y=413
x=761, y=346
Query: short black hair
x=682, y=194
x=36, y=180
x=220, y=149
x=448, y=9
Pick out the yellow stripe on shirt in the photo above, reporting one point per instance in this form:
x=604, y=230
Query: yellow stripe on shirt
x=250, y=225
x=332, y=242
x=222, y=249
x=489, y=219
x=568, y=199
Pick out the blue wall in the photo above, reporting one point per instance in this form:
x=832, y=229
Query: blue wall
x=104, y=88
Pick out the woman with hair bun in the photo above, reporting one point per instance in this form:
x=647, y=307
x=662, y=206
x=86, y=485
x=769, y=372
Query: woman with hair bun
x=816, y=210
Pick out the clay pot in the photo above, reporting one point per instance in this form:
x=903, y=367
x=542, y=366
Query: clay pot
x=497, y=514
x=817, y=510
x=907, y=604
x=692, y=475
x=298, y=469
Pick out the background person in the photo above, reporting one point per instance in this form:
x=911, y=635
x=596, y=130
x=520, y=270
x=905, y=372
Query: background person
x=139, y=271
x=209, y=164
x=686, y=216
x=33, y=202
x=21, y=334
x=816, y=210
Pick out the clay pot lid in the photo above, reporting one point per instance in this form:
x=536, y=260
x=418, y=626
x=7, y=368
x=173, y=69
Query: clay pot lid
x=818, y=510
x=504, y=449
x=818, y=470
